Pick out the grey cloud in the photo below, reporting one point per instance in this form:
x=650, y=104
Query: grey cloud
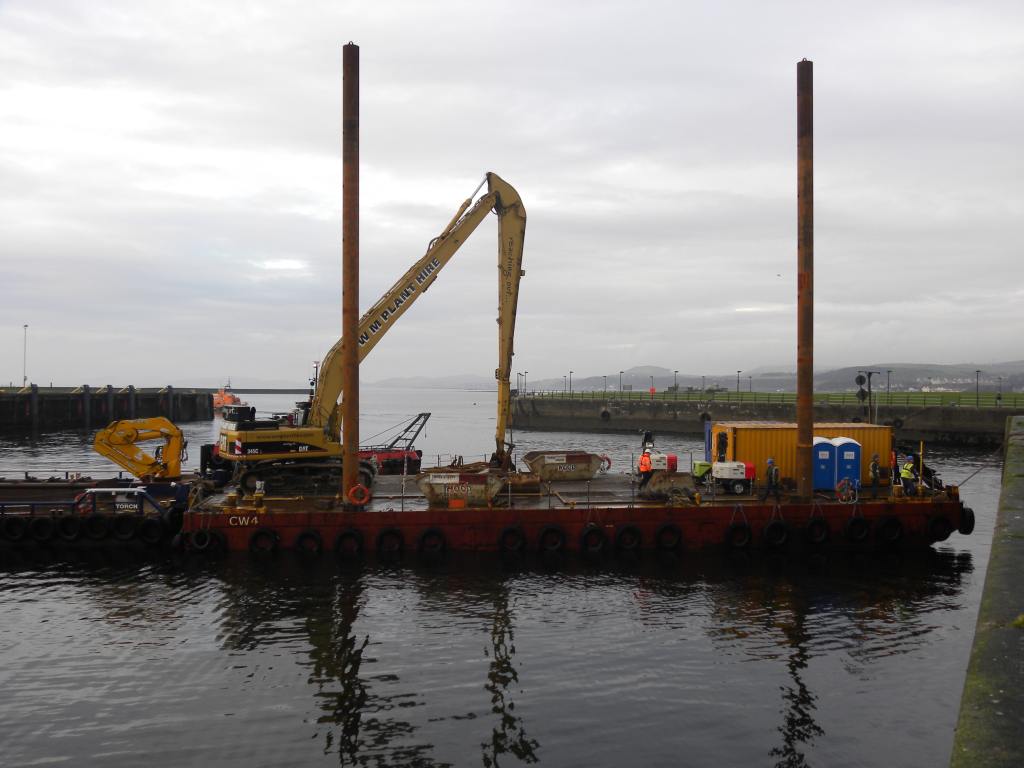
x=653, y=144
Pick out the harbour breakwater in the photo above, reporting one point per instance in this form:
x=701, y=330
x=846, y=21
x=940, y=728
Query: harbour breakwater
x=990, y=731
x=936, y=424
x=34, y=408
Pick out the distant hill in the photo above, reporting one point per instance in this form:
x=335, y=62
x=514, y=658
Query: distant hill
x=903, y=377
x=927, y=376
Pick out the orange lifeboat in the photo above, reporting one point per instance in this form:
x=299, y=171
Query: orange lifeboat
x=224, y=396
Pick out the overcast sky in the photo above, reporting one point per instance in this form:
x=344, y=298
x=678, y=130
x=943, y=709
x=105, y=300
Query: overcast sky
x=170, y=183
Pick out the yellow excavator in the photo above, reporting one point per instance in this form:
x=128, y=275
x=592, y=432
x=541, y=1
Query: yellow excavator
x=283, y=456
x=118, y=442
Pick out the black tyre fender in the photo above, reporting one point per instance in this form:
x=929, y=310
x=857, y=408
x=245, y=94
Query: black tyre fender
x=151, y=530
x=96, y=526
x=124, y=527
x=939, y=528
x=817, y=531
x=775, y=534
x=310, y=543
x=13, y=527
x=349, y=544
x=628, y=538
x=69, y=527
x=593, y=539
x=390, y=542
x=42, y=528
x=432, y=542
x=856, y=529
x=551, y=539
x=897, y=423
x=264, y=541
x=512, y=539
x=201, y=540
x=966, y=526
x=738, y=535
x=668, y=537
x=816, y=534
x=889, y=530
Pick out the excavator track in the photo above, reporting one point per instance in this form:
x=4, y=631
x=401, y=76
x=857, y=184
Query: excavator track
x=308, y=477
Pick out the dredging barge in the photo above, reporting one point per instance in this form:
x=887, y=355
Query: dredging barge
x=590, y=517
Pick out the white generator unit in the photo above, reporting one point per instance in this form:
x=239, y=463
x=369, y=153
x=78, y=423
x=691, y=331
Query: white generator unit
x=735, y=476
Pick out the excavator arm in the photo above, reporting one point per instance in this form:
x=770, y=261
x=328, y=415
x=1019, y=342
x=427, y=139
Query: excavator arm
x=503, y=199
x=118, y=443
x=511, y=233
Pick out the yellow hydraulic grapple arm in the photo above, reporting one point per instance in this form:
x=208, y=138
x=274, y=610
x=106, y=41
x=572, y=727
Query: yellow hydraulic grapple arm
x=503, y=199
x=511, y=233
x=118, y=443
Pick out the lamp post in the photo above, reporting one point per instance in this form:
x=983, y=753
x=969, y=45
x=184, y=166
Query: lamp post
x=750, y=383
x=977, y=387
x=620, y=381
x=999, y=396
x=738, y=381
x=888, y=396
x=565, y=387
x=24, y=357
x=519, y=378
x=652, y=382
x=702, y=387
x=570, y=383
x=316, y=375
x=605, y=383
x=524, y=380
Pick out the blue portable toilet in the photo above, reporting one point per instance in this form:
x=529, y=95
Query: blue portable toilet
x=824, y=474
x=848, y=457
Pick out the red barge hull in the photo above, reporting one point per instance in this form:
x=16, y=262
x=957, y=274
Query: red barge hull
x=904, y=523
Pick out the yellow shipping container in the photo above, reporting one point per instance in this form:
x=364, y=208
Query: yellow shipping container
x=756, y=441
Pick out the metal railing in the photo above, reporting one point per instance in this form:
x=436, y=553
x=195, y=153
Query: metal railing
x=913, y=399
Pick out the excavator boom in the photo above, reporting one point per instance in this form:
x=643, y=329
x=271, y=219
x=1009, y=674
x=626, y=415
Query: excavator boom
x=318, y=438
x=118, y=443
x=503, y=199
x=511, y=233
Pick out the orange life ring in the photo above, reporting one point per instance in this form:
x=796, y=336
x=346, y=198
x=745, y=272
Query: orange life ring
x=846, y=491
x=606, y=463
x=359, y=494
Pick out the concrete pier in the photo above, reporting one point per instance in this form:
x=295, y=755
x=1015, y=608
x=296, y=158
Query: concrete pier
x=34, y=408
x=990, y=732
x=937, y=425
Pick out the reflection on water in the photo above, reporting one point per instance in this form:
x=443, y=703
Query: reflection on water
x=794, y=663
x=337, y=660
x=509, y=734
x=798, y=727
